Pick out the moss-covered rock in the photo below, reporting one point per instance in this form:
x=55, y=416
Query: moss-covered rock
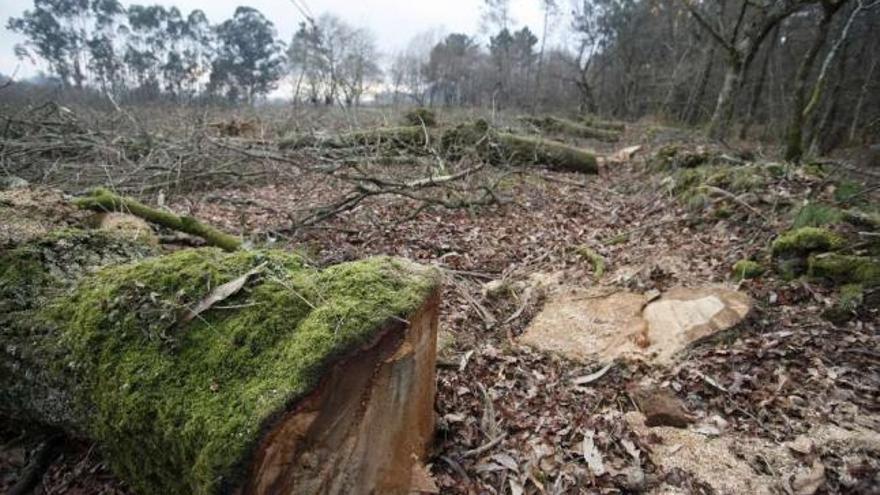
x=806, y=240
x=846, y=269
x=178, y=405
x=745, y=269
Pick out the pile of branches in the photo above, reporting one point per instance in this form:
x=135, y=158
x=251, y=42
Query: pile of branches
x=55, y=146
x=52, y=145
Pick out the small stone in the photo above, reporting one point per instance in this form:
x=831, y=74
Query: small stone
x=801, y=445
x=662, y=408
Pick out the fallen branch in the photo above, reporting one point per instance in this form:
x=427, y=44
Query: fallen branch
x=103, y=200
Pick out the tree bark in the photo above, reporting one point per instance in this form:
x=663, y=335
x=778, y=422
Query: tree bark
x=795, y=141
x=759, y=87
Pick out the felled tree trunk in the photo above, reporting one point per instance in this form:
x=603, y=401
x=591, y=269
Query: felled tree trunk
x=208, y=372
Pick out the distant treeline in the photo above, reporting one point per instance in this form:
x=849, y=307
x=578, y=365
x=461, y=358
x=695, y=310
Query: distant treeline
x=806, y=72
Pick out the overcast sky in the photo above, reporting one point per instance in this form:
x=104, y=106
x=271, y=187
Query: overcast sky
x=393, y=22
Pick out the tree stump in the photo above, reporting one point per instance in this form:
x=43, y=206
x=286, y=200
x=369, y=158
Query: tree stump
x=202, y=371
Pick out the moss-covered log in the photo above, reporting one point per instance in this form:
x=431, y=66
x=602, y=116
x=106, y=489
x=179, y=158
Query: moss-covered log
x=503, y=148
x=403, y=136
x=608, y=125
x=559, y=156
x=290, y=380
x=565, y=126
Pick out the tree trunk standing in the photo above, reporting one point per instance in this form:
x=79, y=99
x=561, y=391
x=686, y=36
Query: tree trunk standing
x=821, y=129
x=819, y=86
x=759, y=86
x=863, y=94
x=741, y=47
x=692, y=113
x=794, y=148
x=723, y=113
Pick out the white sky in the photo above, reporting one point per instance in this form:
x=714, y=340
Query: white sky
x=394, y=22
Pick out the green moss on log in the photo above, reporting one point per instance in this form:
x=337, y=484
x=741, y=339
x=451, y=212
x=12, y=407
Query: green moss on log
x=806, y=240
x=420, y=117
x=571, y=128
x=178, y=406
x=846, y=269
x=102, y=200
x=503, y=148
x=531, y=150
x=31, y=272
x=413, y=135
x=598, y=123
x=746, y=269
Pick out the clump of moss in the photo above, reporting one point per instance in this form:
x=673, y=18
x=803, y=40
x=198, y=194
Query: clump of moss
x=596, y=261
x=746, y=269
x=420, y=117
x=846, y=269
x=850, y=298
x=806, y=240
x=817, y=215
x=177, y=405
x=698, y=202
x=672, y=157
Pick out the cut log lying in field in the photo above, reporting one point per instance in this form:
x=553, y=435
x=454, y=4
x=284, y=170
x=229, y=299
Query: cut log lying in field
x=506, y=148
x=556, y=155
x=403, y=136
x=597, y=123
x=210, y=372
x=564, y=126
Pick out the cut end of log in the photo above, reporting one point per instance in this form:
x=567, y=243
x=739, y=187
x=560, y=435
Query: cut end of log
x=366, y=427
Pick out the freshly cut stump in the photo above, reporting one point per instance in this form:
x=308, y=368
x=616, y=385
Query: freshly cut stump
x=208, y=372
x=584, y=325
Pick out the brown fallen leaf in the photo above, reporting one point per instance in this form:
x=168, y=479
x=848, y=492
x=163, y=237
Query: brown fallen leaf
x=220, y=293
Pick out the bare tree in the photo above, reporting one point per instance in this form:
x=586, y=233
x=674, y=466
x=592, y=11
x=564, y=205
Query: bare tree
x=739, y=38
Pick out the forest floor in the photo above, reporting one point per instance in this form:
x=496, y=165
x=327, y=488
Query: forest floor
x=786, y=402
